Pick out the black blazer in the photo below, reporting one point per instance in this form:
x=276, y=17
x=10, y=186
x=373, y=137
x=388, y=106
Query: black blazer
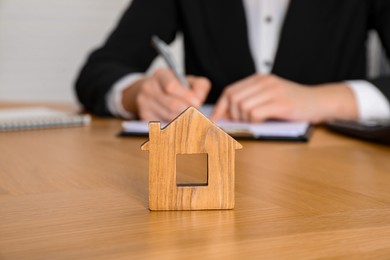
x=321, y=42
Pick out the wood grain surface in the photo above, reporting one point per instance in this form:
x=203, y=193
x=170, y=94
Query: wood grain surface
x=82, y=193
x=190, y=133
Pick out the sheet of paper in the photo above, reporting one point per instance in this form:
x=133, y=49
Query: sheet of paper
x=269, y=128
x=266, y=129
x=272, y=129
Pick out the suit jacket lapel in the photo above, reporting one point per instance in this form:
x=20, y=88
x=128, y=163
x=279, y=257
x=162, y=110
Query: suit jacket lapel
x=289, y=39
x=298, y=42
x=228, y=30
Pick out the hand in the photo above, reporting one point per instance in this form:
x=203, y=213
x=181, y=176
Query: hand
x=261, y=97
x=162, y=97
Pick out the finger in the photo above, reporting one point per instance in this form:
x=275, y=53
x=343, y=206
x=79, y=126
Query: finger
x=259, y=89
x=162, y=113
x=258, y=98
x=242, y=100
x=148, y=113
x=228, y=103
x=151, y=109
x=220, y=110
x=148, y=116
x=154, y=104
x=171, y=86
x=239, y=92
x=247, y=82
x=269, y=110
x=200, y=86
x=173, y=105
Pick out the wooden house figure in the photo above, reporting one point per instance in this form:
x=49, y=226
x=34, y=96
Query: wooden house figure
x=190, y=133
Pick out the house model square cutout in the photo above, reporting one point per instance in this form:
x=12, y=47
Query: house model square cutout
x=190, y=133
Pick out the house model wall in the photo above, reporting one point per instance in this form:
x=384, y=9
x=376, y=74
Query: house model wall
x=190, y=133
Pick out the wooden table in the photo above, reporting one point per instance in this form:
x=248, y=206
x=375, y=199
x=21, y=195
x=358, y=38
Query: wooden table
x=82, y=193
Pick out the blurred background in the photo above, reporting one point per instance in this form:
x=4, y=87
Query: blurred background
x=43, y=44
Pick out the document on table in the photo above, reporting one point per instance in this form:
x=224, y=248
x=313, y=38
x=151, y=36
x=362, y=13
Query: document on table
x=269, y=130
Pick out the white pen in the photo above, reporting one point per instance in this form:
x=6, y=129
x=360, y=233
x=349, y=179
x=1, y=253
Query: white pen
x=163, y=50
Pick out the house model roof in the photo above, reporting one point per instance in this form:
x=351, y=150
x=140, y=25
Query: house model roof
x=193, y=126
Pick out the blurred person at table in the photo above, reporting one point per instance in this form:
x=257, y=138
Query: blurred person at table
x=254, y=59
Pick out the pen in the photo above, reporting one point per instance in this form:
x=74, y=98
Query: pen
x=163, y=50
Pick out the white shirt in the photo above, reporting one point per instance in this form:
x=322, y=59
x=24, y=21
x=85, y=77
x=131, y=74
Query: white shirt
x=264, y=20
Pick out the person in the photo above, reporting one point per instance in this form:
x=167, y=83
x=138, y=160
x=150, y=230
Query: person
x=254, y=59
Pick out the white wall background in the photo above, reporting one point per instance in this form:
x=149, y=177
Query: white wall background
x=43, y=43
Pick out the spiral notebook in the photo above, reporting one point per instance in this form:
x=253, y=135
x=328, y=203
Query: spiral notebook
x=16, y=119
